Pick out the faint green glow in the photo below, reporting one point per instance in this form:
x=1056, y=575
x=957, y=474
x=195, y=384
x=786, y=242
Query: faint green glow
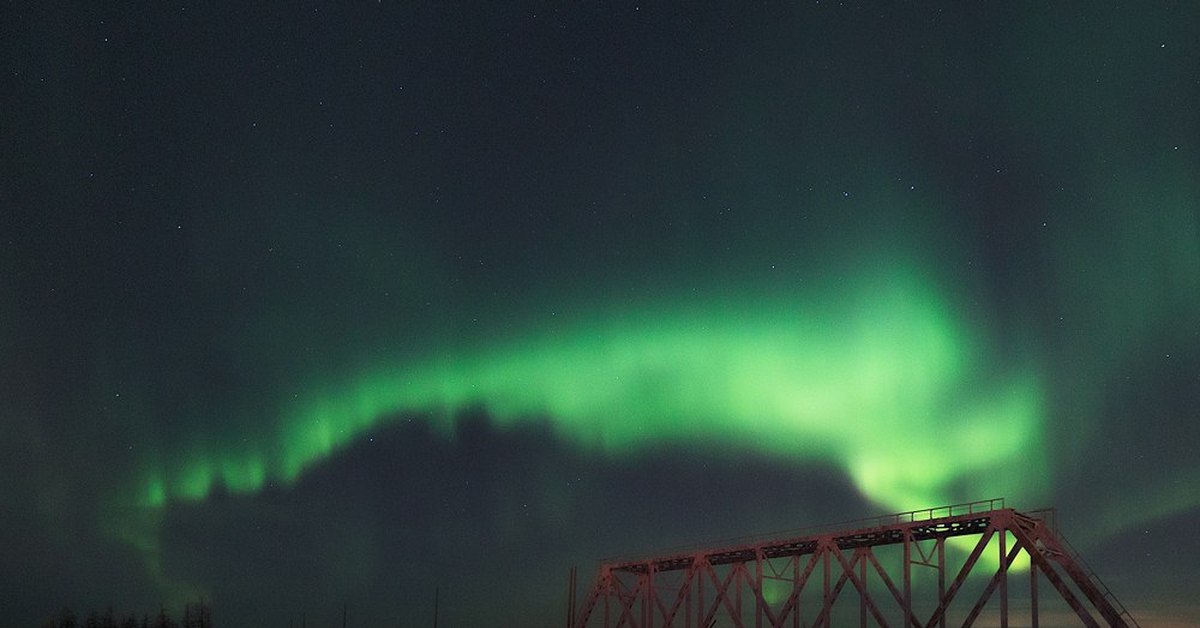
x=989, y=560
x=156, y=491
x=880, y=378
x=776, y=589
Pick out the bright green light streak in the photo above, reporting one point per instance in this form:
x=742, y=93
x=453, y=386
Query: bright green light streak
x=887, y=383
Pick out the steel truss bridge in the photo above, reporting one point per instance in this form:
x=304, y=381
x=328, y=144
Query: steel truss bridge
x=807, y=580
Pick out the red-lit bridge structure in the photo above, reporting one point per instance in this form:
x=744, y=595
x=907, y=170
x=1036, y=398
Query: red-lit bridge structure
x=888, y=571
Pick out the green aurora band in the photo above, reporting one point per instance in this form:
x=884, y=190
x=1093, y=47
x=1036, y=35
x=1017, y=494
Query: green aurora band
x=886, y=376
x=885, y=382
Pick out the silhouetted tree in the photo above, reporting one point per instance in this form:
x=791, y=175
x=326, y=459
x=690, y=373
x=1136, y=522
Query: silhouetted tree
x=197, y=615
x=164, y=620
x=204, y=615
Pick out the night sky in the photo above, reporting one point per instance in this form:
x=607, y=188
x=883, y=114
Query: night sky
x=312, y=304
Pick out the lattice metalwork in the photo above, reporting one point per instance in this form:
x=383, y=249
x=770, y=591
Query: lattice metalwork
x=888, y=571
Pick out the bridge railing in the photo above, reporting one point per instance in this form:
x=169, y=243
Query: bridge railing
x=938, y=512
x=879, y=521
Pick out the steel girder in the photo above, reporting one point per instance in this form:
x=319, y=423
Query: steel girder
x=799, y=580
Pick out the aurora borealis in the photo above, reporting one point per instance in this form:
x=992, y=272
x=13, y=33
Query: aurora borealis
x=304, y=305
x=891, y=362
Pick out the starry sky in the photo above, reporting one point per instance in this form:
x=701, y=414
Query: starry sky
x=311, y=304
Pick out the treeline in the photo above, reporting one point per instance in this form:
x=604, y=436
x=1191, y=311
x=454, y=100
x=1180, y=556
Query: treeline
x=197, y=615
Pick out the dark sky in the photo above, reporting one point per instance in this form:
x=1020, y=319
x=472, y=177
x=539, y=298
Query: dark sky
x=304, y=304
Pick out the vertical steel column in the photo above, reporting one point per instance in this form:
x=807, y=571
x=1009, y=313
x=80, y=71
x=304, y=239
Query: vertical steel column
x=1004, y=578
x=941, y=552
x=827, y=604
x=907, y=576
x=648, y=598
x=795, y=591
x=644, y=610
x=862, y=595
x=1033, y=609
x=758, y=589
x=687, y=595
x=607, y=599
x=737, y=593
